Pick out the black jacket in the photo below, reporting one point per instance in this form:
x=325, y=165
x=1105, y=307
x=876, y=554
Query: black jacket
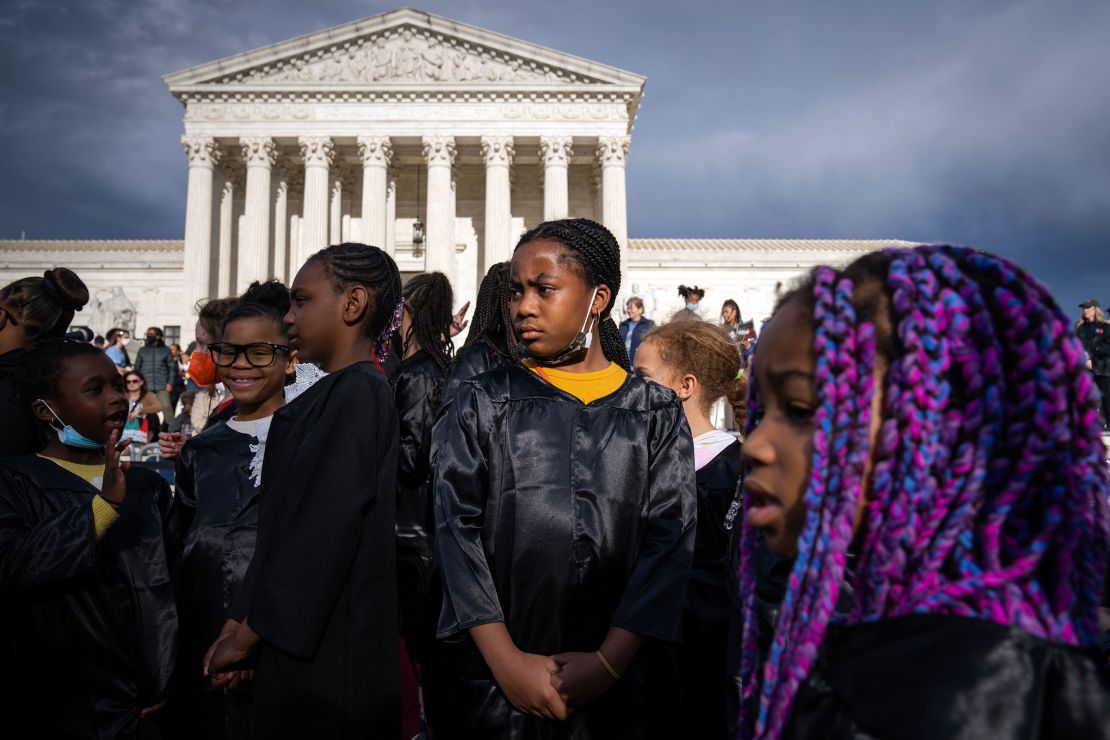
x=18, y=434
x=638, y=332
x=563, y=519
x=471, y=362
x=1095, y=336
x=217, y=506
x=157, y=365
x=417, y=387
x=93, y=623
x=932, y=676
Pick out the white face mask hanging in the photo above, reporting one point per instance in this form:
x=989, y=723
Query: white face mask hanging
x=582, y=341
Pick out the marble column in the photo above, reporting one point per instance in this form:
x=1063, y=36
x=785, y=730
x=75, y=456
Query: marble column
x=439, y=153
x=281, y=227
x=376, y=153
x=555, y=153
x=318, y=153
x=498, y=154
x=232, y=180
x=260, y=154
x=612, y=154
x=335, y=212
x=202, y=154
x=391, y=210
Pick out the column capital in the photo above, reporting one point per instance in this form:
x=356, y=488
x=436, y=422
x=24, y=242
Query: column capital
x=439, y=150
x=258, y=151
x=613, y=150
x=318, y=151
x=497, y=150
x=375, y=150
x=201, y=151
x=556, y=150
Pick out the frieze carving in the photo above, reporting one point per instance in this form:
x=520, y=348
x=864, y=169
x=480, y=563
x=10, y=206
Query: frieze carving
x=258, y=151
x=497, y=150
x=613, y=150
x=407, y=55
x=439, y=150
x=201, y=150
x=318, y=151
x=377, y=150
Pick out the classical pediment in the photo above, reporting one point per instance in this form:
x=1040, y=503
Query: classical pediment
x=402, y=49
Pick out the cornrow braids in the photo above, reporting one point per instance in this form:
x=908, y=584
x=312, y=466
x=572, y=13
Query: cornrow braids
x=491, y=323
x=595, y=251
x=46, y=304
x=429, y=300
x=988, y=494
x=350, y=264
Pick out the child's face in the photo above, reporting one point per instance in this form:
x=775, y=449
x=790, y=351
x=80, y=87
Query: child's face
x=315, y=313
x=651, y=366
x=778, y=453
x=252, y=385
x=89, y=397
x=550, y=299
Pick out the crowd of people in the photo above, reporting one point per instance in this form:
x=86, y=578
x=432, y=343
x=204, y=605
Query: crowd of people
x=899, y=529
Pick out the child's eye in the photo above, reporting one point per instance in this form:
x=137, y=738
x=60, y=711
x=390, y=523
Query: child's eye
x=799, y=412
x=544, y=289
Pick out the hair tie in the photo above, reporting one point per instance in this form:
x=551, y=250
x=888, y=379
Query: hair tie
x=739, y=374
x=384, y=340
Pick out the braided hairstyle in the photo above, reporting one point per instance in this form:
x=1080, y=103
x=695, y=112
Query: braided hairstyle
x=429, y=300
x=491, y=323
x=350, y=264
x=46, y=304
x=594, y=250
x=988, y=492
x=268, y=300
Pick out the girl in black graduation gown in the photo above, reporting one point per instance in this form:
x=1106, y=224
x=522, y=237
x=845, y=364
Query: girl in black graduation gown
x=85, y=558
x=318, y=605
x=217, y=487
x=700, y=364
x=490, y=343
x=565, y=512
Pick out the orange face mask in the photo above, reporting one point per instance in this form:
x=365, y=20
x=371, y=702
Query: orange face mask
x=202, y=370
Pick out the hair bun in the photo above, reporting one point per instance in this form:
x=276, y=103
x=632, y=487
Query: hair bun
x=67, y=290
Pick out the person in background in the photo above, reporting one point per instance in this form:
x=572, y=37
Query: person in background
x=742, y=333
x=98, y=342
x=183, y=423
x=178, y=375
x=692, y=294
x=118, y=339
x=31, y=308
x=142, y=410
x=1094, y=333
x=156, y=363
x=634, y=327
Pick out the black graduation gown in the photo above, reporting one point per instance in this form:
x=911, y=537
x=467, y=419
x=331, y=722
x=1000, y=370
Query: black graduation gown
x=418, y=385
x=703, y=656
x=562, y=520
x=321, y=589
x=928, y=676
x=471, y=362
x=94, y=626
x=18, y=434
x=217, y=505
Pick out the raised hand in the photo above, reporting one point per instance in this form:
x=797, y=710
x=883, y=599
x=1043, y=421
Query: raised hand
x=170, y=444
x=112, y=489
x=459, y=320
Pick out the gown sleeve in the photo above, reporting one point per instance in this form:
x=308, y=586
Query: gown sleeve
x=461, y=488
x=416, y=396
x=652, y=602
x=34, y=553
x=295, y=579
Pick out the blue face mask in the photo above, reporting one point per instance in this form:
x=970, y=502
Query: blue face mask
x=69, y=436
x=693, y=306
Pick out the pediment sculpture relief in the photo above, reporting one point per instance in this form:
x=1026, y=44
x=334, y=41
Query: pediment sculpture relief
x=410, y=56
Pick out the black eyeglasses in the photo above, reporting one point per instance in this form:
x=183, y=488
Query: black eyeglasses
x=258, y=354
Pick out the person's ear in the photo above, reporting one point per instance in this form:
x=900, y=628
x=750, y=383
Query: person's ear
x=42, y=413
x=291, y=364
x=601, y=300
x=354, y=301
x=688, y=386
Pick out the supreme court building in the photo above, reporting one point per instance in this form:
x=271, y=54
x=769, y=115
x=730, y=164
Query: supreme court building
x=439, y=141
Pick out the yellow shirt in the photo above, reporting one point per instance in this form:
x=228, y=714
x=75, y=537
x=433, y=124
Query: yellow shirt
x=586, y=387
x=104, y=514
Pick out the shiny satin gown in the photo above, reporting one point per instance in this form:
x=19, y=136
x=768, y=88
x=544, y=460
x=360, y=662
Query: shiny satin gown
x=93, y=623
x=564, y=519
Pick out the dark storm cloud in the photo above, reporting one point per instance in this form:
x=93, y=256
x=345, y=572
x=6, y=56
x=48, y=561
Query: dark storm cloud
x=982, y=123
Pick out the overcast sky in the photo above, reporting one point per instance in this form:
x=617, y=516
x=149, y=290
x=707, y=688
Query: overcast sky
x=983, y=123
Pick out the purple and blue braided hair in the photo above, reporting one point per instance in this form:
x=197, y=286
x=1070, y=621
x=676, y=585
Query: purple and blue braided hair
x=988, y=492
